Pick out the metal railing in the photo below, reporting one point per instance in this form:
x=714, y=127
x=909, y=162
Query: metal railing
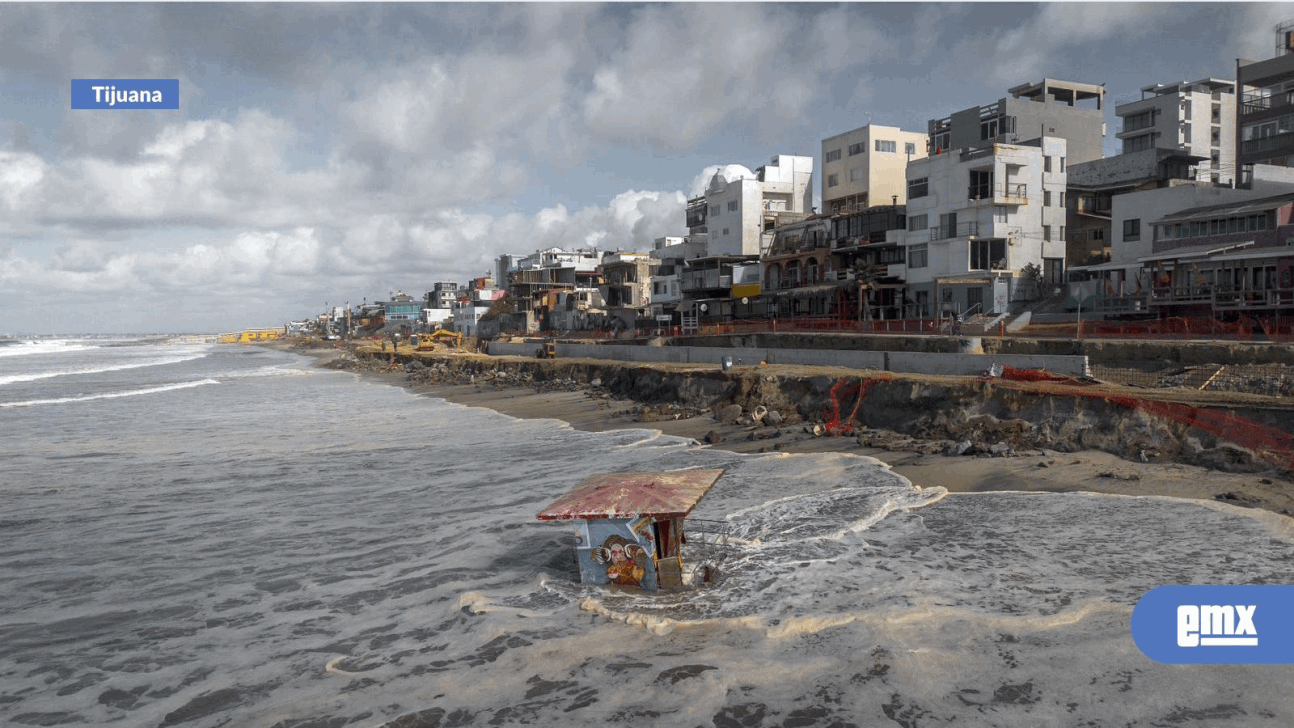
x=960, y=230
x=999, y=193
x=1267, y=144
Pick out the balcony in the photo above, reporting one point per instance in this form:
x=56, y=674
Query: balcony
x=1010, y=193
x=1254, y=104
x=1267, y=144
x=1093, y=205
x=960, y=230
x=708, y=280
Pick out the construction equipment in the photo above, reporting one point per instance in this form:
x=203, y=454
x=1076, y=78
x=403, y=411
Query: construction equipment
x=427, y=342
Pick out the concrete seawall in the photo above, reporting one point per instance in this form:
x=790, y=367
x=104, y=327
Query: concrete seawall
x=887, y=361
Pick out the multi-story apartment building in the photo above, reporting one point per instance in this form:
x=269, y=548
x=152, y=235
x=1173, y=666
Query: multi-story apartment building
x=1198, y=118
x=1092, y=187
x=626, y=288
x=1265, y=107
x=744, y=205
x=864, y=167
x=1052, y=108
x=976, y=218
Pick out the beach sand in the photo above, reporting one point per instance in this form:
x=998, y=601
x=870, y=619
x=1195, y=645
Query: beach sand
x=1037, y=470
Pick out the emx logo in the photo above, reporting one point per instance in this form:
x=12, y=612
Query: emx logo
x=1215, y=624
x=1212, y=625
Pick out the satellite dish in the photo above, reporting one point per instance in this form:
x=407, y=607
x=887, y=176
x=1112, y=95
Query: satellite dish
x=744, y=300
x=705, y=307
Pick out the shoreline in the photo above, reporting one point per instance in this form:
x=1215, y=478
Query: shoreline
x=923, y=464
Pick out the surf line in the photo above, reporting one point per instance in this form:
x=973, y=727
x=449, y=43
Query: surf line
x=110, y=395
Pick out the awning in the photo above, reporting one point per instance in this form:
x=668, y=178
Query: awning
x=1229, y=209
x=1116, y=265
x=1198, y=251
x=626, y=495
x=810, y=290
x=963, y=281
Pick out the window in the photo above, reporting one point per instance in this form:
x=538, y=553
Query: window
x=987, y=254
x=886, y=146
x=917, y=222
x=1062, y=164
x=1062, y=195
x=981, y=184
x=714, y=210
x=1046, y=163
x=833, y=180
x=1000, y=214
x=832, y=155
x=1139, y=143
x=942, y=142
x=1046, y=198
x=1132, y=229
x=1098, y=234
x=1053, y=271
x=918, y=187
x=858, y=148
x=1062, y=233
x=918, y=256
x=947, y=226
x=909, y=148
x=1046, y=232
x=725, y=231
x=732, y=206
x=856, y=174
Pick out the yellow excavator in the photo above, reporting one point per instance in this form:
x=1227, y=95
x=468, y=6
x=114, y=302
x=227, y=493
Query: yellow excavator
x=427, y=342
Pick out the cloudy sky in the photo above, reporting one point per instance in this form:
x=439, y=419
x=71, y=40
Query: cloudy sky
x=330, y=153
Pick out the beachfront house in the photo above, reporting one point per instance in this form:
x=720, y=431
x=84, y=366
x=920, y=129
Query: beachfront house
x=629, y=526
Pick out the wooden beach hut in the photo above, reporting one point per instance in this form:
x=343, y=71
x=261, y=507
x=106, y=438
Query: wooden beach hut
x=629, y=526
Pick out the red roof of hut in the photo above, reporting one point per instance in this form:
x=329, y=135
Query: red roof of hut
x=625, y=495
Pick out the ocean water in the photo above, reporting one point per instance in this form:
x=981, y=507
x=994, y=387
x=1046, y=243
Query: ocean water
x=202, y=535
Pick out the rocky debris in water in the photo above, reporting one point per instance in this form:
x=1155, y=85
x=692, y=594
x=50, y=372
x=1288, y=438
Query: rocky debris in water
x=965, y=447
x=773, y=418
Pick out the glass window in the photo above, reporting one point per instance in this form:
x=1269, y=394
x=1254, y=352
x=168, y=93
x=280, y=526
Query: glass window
x=909, y=148
x=1132, y=229
x=833, y=155
x=833, y=180
x=918, y=256
x=917, y=222
x=918, y=187
x=883, y=145
x=856, y=149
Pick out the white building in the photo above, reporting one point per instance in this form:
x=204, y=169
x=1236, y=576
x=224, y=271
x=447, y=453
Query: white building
x=466, y=311
x=866, y=166
x=1198, y=117
x=976, y=217
x=743, y=204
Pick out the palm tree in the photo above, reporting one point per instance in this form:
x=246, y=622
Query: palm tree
x=865, y=274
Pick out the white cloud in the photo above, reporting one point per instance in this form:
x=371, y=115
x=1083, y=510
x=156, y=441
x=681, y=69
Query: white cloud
x=688, y=72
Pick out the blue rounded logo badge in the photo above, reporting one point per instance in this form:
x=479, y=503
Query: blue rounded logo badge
x=1216, y=625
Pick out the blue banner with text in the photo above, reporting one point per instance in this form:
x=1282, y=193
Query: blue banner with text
x=1216, y=625
x=126, y=93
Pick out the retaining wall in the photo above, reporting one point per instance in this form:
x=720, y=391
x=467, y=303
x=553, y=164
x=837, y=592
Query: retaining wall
x=890, y=361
